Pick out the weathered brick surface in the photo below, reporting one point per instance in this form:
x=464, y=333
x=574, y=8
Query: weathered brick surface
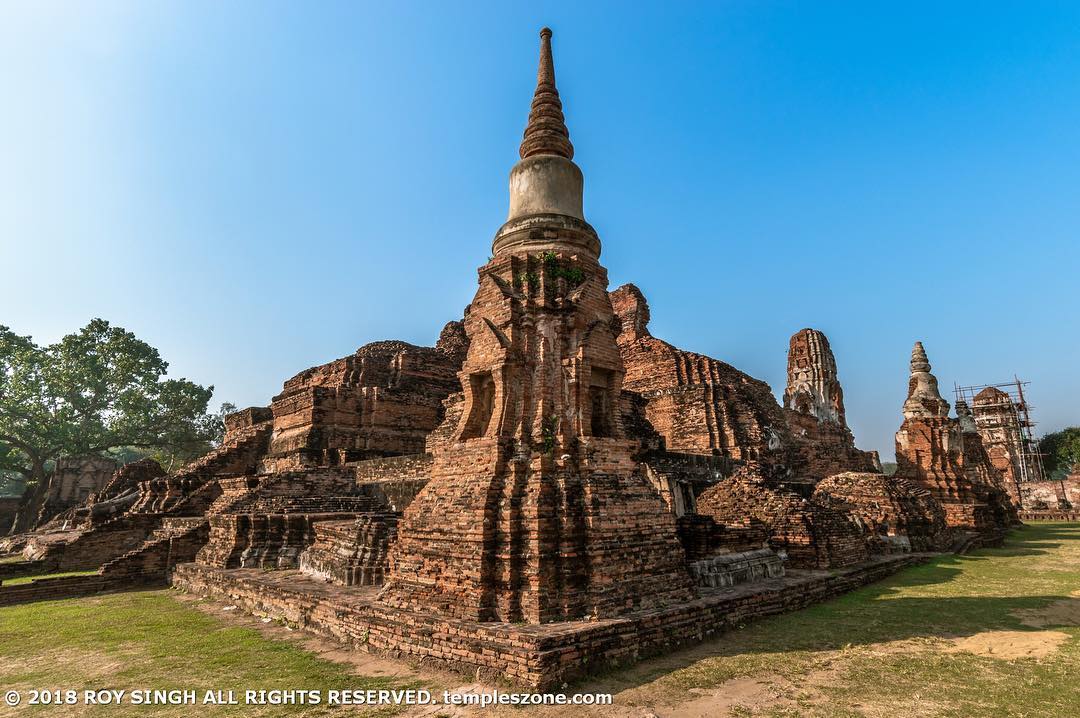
x=702, y=537
x=185, y=492
x=813, y=534
x=395, y=481
x=268, y=521
x=175, y=540
x=91, y=547
x=680, y=478
x=697, y=403
x=813, y=388
x=701, y=405
x=53, y=589
x=352, y=552
x=128, y=478
x=890, y=508
x=238, y=423
x=823, y=448
x=382, y=401
x=535, y=510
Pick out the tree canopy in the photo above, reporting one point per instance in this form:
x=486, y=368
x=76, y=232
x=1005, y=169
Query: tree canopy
x=1061, y=451
x=94, y=391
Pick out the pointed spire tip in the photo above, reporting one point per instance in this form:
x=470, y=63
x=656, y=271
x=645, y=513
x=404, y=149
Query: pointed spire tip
x=546, y=132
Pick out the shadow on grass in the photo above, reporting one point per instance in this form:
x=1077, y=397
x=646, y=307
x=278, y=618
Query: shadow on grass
x=878, y=613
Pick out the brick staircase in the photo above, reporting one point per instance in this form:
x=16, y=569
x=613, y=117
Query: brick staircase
x=185, y=490
x=175, y=540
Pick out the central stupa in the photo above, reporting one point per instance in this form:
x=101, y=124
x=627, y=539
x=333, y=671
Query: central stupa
x=536, y=510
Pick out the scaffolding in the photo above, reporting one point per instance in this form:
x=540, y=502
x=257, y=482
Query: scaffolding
x=1009, y=417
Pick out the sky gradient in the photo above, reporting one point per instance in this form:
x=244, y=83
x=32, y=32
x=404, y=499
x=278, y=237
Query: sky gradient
x=256, y=188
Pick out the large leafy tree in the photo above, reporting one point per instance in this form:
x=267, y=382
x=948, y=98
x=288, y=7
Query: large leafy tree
x=1061, y=451
x=93, y=392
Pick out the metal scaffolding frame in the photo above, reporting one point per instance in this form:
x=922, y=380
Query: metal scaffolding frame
x=1012, y=410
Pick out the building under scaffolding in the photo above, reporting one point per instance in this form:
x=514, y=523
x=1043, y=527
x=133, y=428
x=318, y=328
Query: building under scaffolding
x=1002, y=416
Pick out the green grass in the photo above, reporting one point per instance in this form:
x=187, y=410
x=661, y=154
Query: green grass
x=885, y=649
x=151, y=640
x=27, y=579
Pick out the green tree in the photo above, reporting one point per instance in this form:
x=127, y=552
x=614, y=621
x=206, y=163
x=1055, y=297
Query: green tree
x=1061, y=451
x=93, y=392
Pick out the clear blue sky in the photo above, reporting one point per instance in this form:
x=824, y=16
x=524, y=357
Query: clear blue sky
x=256, y=188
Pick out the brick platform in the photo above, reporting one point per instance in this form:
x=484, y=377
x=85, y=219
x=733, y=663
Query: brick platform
x=537, y=656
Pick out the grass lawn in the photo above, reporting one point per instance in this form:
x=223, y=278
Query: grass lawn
x=150, y=639
x=27, y=579
x=993, y=633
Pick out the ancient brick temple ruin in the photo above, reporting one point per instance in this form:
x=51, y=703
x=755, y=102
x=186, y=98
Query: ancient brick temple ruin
x=814, y=409
x=1001, y=417
x=933, y=451
x=548, y=490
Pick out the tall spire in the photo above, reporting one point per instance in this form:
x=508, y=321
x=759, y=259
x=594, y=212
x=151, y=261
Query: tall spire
x=546, y=133
x=546, y=187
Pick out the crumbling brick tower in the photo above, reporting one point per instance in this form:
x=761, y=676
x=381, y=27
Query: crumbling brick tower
x=812, y=384
x=995, y=418
x=814, y=410
x=535, y=510
x=930, y=450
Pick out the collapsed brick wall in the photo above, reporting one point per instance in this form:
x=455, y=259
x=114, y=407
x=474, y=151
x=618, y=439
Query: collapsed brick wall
x=697, y=403
x=128, y=478
x=238, y=423
x=702, y=537
x=1052, y=494
x=394, y=468
x=680, y=478
x=183, y=492
x=395, y=481
x=264, y=540
x=90, y=548
x=890, y=506
x=51, y=589
x=175, y=541
x=817, y=533
x=269, y=521
x=383, y=400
